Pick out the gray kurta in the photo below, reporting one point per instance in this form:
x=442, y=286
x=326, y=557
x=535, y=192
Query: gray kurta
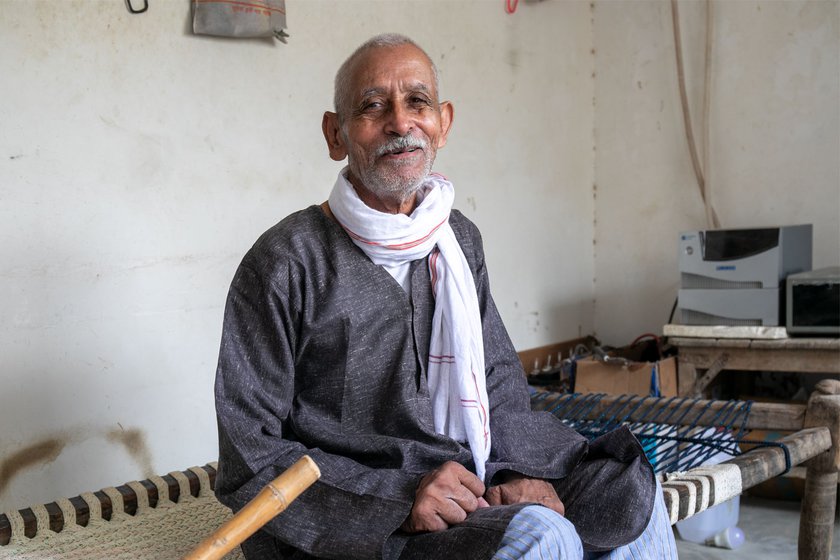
x=323, y=353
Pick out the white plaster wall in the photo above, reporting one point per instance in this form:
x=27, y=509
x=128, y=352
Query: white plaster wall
x=774, y=140
x=139, y=162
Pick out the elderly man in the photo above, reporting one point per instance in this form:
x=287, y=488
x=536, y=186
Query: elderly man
x=362, y=332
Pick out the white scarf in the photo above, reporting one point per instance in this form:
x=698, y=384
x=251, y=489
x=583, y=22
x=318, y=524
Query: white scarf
x=456, y=379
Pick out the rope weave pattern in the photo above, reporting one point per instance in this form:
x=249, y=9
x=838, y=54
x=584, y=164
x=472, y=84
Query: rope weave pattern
x=667, y=428
x=681, y=449
x=167, y=531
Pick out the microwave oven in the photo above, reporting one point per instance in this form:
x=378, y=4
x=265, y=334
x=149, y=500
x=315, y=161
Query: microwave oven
x=813, y=302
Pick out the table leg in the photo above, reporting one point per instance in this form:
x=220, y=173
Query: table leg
x=693, y=385
x=686, y=378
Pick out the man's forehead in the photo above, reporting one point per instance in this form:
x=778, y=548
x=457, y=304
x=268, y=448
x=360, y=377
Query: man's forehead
x=405, y=85
x=379, y=66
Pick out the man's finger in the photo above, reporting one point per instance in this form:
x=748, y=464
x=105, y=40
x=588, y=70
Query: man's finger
x=464, y=497
x=426, y=516
x=421, y=524
x=494, y=496
x=451, y=512
x=471, y=482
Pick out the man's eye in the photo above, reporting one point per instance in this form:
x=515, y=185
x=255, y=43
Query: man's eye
x=372, y=105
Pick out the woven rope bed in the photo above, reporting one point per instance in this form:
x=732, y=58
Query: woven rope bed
x=165, y=517
x=813, y=443
x=155, y=519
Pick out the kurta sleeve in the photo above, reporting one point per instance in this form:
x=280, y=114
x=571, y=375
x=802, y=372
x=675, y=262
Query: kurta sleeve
x=351, y=511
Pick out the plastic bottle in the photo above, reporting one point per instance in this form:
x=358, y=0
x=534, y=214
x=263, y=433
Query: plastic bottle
x=731, y=537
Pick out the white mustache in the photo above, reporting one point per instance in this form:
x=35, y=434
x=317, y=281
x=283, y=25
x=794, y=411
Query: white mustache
x=401, y=143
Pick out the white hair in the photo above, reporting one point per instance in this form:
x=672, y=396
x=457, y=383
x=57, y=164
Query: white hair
x=343, y=77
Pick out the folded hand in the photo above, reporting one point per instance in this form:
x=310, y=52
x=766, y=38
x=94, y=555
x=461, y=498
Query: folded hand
x=444, y=497
x=518, y=489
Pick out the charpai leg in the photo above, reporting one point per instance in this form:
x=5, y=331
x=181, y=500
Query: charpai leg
x=816, y=523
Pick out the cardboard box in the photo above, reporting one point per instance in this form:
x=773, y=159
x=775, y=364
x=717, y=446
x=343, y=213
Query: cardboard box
x=635, y=378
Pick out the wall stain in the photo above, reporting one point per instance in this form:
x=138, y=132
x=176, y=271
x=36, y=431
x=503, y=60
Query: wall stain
x=48, y=449
x=512, y=58
x=44, y=451
x=134, y=442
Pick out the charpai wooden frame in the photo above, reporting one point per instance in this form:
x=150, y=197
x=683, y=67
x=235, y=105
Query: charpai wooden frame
x=56, y=519
x=814, y=444
x=176, y=516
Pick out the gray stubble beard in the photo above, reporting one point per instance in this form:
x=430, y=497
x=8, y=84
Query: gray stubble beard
x=395, y=188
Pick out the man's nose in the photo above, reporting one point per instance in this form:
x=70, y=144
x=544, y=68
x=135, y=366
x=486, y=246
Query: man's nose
x=400, y=121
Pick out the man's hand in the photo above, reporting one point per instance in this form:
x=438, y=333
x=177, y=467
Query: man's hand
x=519, y=488
x=444, y=497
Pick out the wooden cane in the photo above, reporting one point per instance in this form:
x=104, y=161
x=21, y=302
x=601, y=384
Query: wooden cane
x=266, y=505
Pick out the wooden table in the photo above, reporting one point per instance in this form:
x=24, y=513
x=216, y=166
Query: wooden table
x=702, y=359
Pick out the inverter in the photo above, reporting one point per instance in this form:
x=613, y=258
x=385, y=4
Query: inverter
x=735, y=277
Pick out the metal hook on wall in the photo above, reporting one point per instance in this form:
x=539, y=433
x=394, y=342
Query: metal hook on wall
x=141, y=10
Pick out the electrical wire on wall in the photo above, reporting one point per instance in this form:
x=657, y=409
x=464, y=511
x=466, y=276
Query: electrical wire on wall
x=701, y=172
x=134, y=10
x=711, y=217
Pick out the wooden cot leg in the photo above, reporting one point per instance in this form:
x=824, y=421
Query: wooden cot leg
x=816, y=522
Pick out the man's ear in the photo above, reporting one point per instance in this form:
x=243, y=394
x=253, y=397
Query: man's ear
x=447, y=113
x=332, y=134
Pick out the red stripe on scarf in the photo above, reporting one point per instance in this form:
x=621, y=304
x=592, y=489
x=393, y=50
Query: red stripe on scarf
x=398, y=246
x=483, y=412
x=411, y=244
x=433, y=258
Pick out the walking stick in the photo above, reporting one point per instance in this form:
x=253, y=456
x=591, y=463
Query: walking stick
x=266, y=505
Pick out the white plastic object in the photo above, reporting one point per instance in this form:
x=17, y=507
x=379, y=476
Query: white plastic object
x=704, y=526
x=708, y=524
x=731, y=537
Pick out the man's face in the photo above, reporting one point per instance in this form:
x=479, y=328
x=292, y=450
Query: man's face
x=393, y=124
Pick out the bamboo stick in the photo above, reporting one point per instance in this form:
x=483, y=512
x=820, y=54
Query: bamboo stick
x=266, y=505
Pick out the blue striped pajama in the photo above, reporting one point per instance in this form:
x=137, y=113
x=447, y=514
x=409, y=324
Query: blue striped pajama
x=538, y=533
